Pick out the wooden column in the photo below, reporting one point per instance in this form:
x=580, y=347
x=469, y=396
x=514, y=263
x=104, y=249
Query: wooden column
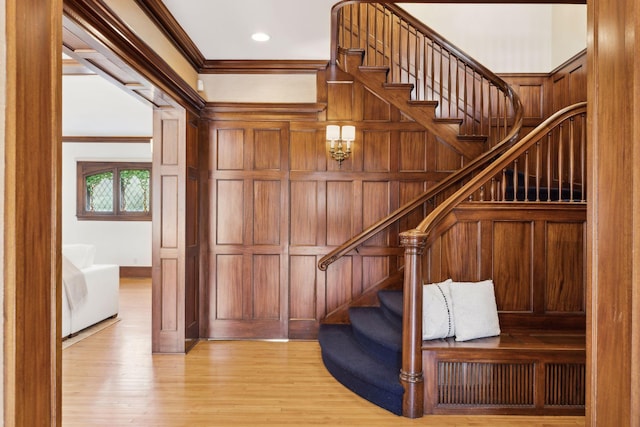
x=411, y=375
x=613, y=323
x=169, y=223
x=31, y=252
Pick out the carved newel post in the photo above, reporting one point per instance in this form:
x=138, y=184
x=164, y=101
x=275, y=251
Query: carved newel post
x=411, y=376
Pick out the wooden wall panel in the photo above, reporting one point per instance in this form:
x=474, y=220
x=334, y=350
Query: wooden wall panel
x=376, y=148
x=169, y=310
x=565, y=267
x=193, y=256
x=267, y=215
x=229, y=279
x=304, y=217
x=374, y=270
x=304, y=150
x=340, y=100
x=413, y=152
x=230, y=208
x=339, y=211
x=535, y=258
x=375, y=205
x=266, y=287
x=248, y=261
x=339, y=283
x=169, y=251
x=302, y=284
x=266, y=150
x=512, y=264
x=230, y=149
x=460, y=252
x=374, y=108
x=169, y=214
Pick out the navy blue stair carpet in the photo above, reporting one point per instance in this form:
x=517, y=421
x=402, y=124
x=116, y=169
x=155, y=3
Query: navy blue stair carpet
x=366, y=355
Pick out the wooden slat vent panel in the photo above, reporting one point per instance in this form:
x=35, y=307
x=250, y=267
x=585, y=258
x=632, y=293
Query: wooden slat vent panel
x=488, y=384
x=565, y=384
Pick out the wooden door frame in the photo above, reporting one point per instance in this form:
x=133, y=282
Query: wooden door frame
x=32, y=207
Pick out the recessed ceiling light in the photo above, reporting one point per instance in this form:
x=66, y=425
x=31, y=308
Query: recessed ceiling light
x=260, y=37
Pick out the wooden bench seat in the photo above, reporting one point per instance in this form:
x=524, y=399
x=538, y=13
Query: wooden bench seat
x=518, y=373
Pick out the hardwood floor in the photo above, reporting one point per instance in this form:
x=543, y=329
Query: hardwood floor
x=112, y=379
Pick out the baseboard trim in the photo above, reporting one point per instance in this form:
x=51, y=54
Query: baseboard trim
x=130, y=271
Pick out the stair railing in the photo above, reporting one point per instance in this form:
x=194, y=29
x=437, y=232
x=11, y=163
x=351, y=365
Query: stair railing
x=438, y=70
x=554, y=156
x=502, y=104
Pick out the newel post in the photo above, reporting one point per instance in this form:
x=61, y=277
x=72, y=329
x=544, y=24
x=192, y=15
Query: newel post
x=411, y=376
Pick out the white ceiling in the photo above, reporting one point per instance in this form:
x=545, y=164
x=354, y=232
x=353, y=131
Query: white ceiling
x=299, y=29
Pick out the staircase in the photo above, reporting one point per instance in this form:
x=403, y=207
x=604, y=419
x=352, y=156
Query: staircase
x=366, y=355
x=471, y=110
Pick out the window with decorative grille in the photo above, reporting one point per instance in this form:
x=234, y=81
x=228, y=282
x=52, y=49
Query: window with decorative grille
x=114, y=191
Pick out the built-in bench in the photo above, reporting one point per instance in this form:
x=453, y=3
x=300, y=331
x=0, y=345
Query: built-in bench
x=519, y=373
x=537, y=365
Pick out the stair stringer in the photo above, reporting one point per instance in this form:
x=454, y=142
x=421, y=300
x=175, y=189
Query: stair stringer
x=446, y=131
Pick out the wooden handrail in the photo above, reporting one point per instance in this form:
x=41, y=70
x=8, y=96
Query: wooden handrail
x=413, y=241
x=437, y=70
x=427, y=224
x=499, y=146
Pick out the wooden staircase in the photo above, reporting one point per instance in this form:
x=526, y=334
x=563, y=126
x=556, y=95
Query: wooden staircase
x=447, y=130
x=482, y=126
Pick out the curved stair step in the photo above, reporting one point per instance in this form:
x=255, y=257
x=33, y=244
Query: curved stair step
x=391, y=305
x=354, y=368
x=379, y=337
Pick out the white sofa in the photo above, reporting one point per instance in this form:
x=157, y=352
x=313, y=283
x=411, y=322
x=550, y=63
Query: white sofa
x=103, y=283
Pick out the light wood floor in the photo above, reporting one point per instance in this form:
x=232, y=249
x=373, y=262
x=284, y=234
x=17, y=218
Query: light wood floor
x=112, y=379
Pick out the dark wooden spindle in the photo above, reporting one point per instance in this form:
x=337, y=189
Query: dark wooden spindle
x=538, y=171
x=560, y=159
x=571, y=157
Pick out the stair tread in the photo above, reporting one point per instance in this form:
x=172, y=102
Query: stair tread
x=353, y=367
x=372, y=323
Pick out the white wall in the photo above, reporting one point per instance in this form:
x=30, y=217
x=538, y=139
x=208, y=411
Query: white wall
x=569, y=29
x=509, y=38
x=94, y=107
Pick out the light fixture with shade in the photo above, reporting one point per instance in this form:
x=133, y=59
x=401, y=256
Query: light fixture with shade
x=340, y=140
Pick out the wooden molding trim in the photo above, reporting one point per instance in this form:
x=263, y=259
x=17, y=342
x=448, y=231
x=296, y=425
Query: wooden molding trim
x=114, y=37
x=569, y=61
x=263, y=66
x=263, y=111
x=158, y=12
x=135, y=271
x=108, y=139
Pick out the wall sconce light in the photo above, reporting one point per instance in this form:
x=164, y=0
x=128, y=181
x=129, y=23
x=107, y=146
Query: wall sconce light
x=340, y=142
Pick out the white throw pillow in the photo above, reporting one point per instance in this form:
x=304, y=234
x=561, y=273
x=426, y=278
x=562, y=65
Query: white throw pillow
x=474, y=310
x=437, y=311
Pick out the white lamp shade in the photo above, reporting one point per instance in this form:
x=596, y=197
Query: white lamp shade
x=348, y=133
x=333, y=132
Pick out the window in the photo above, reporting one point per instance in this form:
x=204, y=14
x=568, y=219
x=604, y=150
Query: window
x=114, y=191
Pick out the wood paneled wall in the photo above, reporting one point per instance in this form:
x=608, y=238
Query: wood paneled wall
x=535, y=256
x=278, y=203
x=176, y=235
x=542, y=94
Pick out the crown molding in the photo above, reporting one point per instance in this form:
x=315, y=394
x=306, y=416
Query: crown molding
x=239, y=66
x=165, y=21
x=105, y=32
